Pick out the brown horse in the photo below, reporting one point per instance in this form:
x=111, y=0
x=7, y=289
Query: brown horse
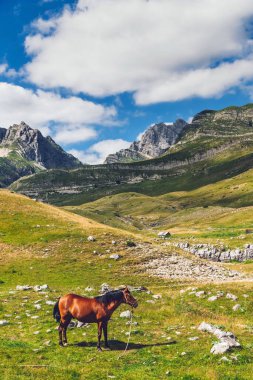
x=90, y=310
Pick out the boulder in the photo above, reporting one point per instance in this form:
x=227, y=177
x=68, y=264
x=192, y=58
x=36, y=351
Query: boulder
x=115, y=256
x=125, y=314
x=3, y=322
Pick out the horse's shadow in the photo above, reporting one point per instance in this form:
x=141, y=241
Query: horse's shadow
x=117, y=345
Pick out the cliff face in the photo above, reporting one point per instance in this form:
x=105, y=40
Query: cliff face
x=24, y=151
x=154, y=143
x=31, y=145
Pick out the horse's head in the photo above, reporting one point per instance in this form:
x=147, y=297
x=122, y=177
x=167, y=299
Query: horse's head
x=128, y=298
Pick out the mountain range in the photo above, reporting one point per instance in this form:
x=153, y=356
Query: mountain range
x=215, y=146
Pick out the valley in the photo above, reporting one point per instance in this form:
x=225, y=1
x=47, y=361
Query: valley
x=52, y=248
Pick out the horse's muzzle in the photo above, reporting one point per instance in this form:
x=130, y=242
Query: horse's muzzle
x=135, y=304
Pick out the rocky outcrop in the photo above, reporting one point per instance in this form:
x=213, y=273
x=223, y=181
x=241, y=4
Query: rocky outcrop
x=213, y=253
x=24, y=151
x=31, y=145
x=180, y=267
x=154, y=143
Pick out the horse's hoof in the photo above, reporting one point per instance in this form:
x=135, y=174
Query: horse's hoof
x=99, y=349
x=65, y=344
x=61, y=344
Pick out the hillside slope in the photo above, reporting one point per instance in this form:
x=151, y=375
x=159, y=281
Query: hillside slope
x=42, y=245
x=215, y=146
x=222, y=209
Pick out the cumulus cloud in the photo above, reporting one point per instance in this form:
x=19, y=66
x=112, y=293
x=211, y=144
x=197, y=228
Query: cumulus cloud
x=97, y=153
x=69, y=120
x=206, y=82
x=161, y=50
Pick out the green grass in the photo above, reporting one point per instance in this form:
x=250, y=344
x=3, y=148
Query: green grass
x=66, y=262
x=222, y=210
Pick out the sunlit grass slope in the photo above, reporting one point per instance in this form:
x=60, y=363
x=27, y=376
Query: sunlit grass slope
x=40, y=244
x=222, y=209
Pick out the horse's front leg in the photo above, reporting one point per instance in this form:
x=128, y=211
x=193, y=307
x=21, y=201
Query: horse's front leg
x=99, y=336
x=105, y=325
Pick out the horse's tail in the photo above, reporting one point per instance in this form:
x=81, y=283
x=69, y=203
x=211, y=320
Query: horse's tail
x=56, y=311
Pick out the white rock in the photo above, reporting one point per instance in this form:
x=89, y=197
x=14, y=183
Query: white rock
x=23, y=287
x=39, y=288
x=89, y=289
x=226, y=339
x=213, y=298
x=224, y=359
x=200, y=293
x=113, y=242
x=105, y=288
x=37, y=306
x=48, y=302
x=115, y=256
x=231, y=296
x=157, y=296
x=236, y=307
x=91, y=238
x=193, y=338
x=220, y=348
x=125, y=314
x=3, y=322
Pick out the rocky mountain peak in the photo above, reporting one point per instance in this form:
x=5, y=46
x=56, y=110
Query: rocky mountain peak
x=30, y=144
x=155, y=141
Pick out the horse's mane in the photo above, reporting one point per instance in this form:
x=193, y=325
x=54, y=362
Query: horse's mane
x=114, y=295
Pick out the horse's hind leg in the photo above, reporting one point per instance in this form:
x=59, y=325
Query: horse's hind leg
x=63, y=330
x=60, y=329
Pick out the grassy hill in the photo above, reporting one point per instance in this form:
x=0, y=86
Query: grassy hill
x=41, y=244
x=223, y=209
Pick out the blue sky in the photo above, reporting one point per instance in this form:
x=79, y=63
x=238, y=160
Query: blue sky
x=94, y=74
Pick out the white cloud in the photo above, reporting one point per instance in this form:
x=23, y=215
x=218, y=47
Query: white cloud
x=71, y=119
x=3, y=68
x=67, y=135
x=161, y=50
x=97, y=153
x=44, y=26
x=207, y=82
x=8, y=72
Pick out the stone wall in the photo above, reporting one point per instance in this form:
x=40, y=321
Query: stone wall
x=214, y=253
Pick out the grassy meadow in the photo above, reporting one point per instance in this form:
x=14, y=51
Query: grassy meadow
x=41, y=244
